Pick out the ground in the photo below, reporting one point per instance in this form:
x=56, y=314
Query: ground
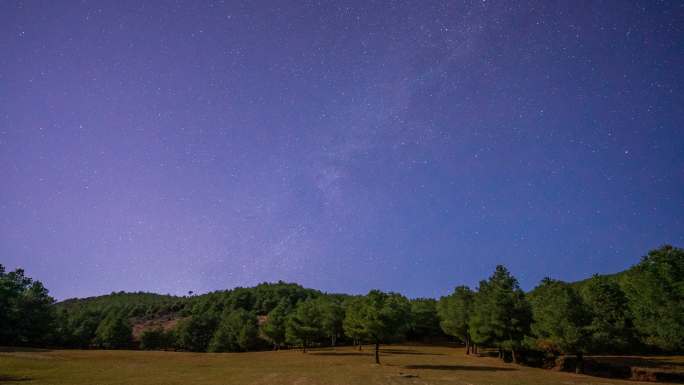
x=400, y=365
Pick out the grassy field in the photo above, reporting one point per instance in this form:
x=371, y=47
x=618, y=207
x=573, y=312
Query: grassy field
x=400, y=365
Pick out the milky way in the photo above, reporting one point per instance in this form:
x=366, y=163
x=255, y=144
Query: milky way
x=345, y=145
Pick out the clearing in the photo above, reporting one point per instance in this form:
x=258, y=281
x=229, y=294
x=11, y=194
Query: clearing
x=401, y=364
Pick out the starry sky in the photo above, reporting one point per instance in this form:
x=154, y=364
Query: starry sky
x=170, y=146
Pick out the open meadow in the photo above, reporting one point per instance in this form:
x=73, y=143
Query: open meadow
x=400, y=365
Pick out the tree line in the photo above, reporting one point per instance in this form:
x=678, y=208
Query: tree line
x=638, y=310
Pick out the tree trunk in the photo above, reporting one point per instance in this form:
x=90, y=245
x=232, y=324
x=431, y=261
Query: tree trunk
x=377, y=353
x=501, y=354
x=467, y=341
x=514, y=356
x=579, y=366
x=360, y=345
x=304, y=350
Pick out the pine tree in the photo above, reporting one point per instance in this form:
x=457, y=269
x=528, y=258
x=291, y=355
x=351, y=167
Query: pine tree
x=454, y=312
x=611, y=328
x=275, y=327
x=352, y=324
x=304, y=325
x=114, y=331
x=332, y=315
x=561, y=318
x=501, y=314
x=655, y=289
x=237, y=332
x=383, y=316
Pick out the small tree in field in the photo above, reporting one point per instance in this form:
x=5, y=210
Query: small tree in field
x=561, y=318
x=454, y=312
x=304, y=325
x=383, y=316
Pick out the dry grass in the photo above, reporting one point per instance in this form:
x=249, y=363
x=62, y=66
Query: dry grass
x=401, y=365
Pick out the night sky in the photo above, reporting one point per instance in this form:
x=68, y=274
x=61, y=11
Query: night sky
x=170, y=146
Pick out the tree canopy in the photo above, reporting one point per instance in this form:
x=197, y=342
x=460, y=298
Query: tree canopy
x=382, y=317
x=501, y=314
x=560, y=317
x=275, y=326
x=655, y=289
x=26, y=312
x=611, y=327
x=305, y=324
x=236, y=332
x=455, y=311
x=638, y=310
x=114, y=331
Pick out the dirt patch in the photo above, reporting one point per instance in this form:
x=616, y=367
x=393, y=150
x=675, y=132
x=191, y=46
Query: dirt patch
x=168, y=322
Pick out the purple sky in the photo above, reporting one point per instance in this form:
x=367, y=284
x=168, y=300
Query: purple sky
x=170, y=146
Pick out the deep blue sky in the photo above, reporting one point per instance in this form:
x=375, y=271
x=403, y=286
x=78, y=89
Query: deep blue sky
x=170, y=146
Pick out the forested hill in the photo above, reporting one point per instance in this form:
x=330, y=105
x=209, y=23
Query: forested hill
x=80, y=317
x=638, y=310
x=120, y=299
x=261, y=298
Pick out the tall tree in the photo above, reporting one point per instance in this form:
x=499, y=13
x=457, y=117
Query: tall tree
x=560, y=318
x=611, y=329
x=275, y=326
x=383, y=316
x=655, y=288
x=501, y=313
x=454, y=312
x=26, y=313
x=332, y=315
x=353, y=320
x=304, y=325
